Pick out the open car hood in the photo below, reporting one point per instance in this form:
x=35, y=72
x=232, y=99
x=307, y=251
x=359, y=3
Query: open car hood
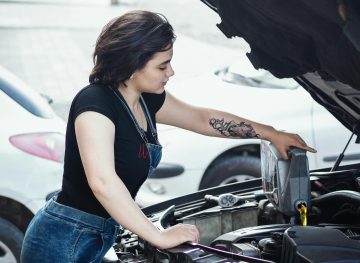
x=315, y=42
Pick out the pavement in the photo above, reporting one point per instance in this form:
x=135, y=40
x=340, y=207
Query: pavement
x=49, y=43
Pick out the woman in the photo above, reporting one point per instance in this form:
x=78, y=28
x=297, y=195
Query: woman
x=112, y=145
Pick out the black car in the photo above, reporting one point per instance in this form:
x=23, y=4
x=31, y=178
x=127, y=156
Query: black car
x=291, y=214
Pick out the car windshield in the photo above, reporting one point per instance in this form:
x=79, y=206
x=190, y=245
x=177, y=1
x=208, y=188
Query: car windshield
x=243, y=73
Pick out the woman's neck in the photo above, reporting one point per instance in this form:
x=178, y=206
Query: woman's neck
x=131, y=96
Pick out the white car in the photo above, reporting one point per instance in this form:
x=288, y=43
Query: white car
x=31, y=160
x=191, y=162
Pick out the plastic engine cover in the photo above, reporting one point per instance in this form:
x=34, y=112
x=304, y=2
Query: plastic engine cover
x=318, y=244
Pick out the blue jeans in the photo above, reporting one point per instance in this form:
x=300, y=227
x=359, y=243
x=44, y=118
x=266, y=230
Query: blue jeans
x=62, y=234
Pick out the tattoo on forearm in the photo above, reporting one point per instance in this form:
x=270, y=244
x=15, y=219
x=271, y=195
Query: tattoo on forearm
x=233, y=129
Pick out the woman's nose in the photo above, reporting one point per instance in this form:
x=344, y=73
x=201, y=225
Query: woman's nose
x=170, y=72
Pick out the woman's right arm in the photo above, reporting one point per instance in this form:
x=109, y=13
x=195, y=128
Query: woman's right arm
x=95, y=135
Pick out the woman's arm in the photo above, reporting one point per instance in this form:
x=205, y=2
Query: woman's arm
x=95, y=135
x=222, y=124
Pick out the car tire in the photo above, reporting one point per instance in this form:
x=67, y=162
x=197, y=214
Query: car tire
x=230, y=170
x=11, y=239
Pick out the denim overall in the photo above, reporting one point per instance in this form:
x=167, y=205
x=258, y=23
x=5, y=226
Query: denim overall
x=62, y=234
x=155, y=150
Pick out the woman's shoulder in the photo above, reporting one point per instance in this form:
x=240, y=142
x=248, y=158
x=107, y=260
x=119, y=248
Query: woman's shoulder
x=94, y=90
x=94, y=97
x=154, y=101
x=93, y=94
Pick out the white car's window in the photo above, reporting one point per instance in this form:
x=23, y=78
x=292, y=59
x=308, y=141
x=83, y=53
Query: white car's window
x=27, y=98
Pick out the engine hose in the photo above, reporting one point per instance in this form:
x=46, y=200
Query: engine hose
x=337, y=196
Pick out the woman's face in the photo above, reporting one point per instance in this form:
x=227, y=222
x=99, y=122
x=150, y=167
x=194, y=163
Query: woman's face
x=153, y=77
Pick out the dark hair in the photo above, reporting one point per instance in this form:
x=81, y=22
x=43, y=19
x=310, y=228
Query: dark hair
x=127, y=43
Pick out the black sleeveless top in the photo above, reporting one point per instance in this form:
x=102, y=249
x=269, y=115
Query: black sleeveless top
x=131, y=158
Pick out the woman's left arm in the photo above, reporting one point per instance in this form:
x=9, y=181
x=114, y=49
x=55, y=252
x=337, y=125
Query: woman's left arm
x=216, y=123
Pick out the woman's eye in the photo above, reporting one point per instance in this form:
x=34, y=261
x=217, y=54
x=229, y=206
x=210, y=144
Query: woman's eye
x=162, y=68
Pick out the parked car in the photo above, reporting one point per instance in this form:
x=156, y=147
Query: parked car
x=32, y=150
x=191, y=161
x=291, y=214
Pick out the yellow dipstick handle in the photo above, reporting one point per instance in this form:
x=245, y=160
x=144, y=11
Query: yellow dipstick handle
x=302, y=210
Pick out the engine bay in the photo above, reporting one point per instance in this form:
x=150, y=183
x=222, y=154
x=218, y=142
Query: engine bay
x=290, y=215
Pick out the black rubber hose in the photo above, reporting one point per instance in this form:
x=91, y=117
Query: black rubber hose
x=338, y=196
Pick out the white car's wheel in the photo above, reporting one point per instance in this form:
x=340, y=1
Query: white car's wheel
x=11, y=239
x=230, y=170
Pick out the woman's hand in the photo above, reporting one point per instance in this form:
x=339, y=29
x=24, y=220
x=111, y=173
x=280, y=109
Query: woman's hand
x=283, y=140
x=177, y=235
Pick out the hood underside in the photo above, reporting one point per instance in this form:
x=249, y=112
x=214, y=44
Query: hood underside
x=315, y=42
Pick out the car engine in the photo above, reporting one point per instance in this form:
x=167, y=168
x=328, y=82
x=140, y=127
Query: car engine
x=289, y=215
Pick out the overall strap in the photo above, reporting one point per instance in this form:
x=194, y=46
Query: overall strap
x=147, y=114
x=126, y=107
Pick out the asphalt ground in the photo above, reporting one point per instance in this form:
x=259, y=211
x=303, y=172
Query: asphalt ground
x=49, y=43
